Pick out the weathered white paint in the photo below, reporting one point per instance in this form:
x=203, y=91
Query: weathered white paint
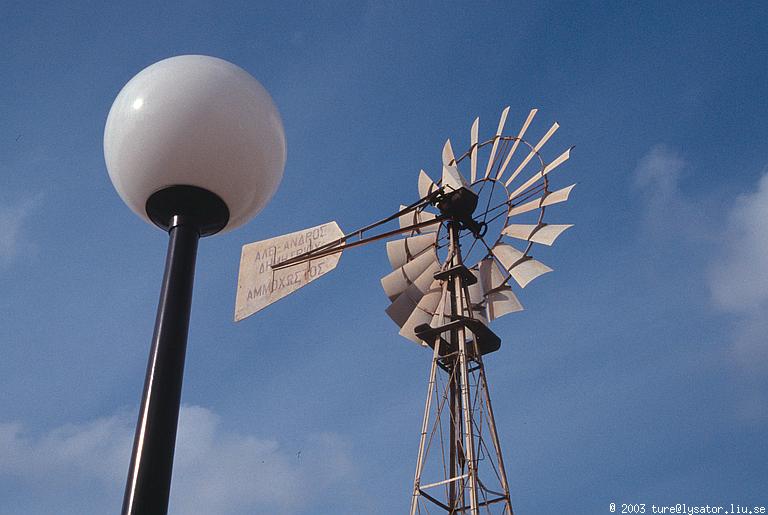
x=259, y=285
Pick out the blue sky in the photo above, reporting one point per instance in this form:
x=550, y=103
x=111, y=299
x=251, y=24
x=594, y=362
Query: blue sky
x=637, y=372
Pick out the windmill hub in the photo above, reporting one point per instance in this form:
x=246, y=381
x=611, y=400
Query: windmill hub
x=459, y=205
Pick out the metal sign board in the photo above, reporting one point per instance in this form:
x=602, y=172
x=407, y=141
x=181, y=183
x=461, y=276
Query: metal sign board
x=259, y=285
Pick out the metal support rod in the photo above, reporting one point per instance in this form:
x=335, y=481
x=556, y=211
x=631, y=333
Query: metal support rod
x=340, y=244
x=424, y=426
x=149, y=476
x=469, y=440
x=496, y=443
x=453, y=451
x=455, y=496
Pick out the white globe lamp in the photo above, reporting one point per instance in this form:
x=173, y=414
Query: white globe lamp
x=197, y=135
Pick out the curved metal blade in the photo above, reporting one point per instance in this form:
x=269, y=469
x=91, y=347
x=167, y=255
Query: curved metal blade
x=395, y=282
x=525, y=208
x=522, y=268
x=499, y=298
x=473, y=154
x=452, y=178
x=507, y=255
x=527, y=270
x=558, y=196
x=516, y=143
x=502, y=302
x=476, y=299
x=406, y=302
x=546, y=234
x=448, y=157
x=519, y=231
x=426, y=184
x=558, y=161
x=442, y=315
x=499, y=130
x=401, y=251
x=477, y=290
x=533, y=152
x=424, y=311
x=491, y=276
x=547, y=200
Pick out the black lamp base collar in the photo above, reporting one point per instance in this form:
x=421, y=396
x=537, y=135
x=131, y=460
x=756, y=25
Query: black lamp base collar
x=189, y=205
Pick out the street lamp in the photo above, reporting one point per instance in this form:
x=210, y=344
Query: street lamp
x=194, y=145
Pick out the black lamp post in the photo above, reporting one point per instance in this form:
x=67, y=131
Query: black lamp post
x=194, y=145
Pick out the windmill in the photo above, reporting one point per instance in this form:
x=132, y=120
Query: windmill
x=453, y=272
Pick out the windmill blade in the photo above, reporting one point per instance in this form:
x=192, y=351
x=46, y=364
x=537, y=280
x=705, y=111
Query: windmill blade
x=401, y=251
x=424, y=312
x=500, y=300
x=426, y=184
x=475, y=304
x=546, y=234
x=516, y=143
x=477, y=290
x=558, y=161
x=533, y=152
x=522, y=268
x=452, y=178
x=546, y=200
x=442, y=314
x=402, y=307
x=520, y=231
x=398, y=280
x=525, y=208
x=558, y=196
x=259, y=285
x=473, y=153
x=499, y=130
x=448, y=157
x=416, y=217
x=538, y=175
x=527, y=270
x=491, y=276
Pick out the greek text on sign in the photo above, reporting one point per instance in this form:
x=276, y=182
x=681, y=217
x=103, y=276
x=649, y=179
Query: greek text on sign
x=259, y=285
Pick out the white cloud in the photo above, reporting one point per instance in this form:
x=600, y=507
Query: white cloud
x=738, y=277
x=81, y=468
x=658, y=171
x=668, y=212
x=750, y=345
x=730, y=256
x=233, y=473
x=87, y=450
x=12, y=219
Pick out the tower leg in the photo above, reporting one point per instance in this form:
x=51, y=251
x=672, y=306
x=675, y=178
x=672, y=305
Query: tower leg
x=495, y=439
x=452, y=450
x=466, y=410
x=424, y=426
